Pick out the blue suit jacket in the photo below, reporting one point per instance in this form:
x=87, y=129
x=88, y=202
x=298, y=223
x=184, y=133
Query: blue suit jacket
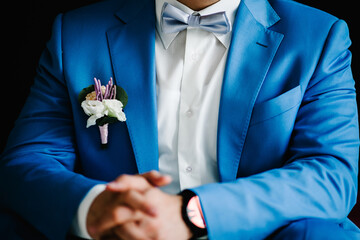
x=287, y=132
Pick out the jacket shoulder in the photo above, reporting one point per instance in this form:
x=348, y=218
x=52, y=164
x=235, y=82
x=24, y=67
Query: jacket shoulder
x=93, y=13
x=306, y=27
x=87, y=25
x=299, y=15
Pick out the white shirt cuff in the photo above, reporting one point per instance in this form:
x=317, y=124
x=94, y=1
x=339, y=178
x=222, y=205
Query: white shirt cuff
x=79, y=221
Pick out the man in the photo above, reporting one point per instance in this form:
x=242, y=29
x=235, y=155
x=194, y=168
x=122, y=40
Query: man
x=248, y=105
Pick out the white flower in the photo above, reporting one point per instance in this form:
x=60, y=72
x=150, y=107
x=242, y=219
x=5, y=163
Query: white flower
x=108, y=107
x=93, y=108
x=114, y=109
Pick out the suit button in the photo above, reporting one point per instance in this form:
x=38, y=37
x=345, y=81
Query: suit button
x=188, y=169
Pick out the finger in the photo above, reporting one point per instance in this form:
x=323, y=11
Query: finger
x=127, y=182
x=157, y=179
x=139, y=182
x=137, y=201
x=113, y=217
x=130, y=231
x=150, y=226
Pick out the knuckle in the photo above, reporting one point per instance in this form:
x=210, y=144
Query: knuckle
x=153, y=227
x=128, y=196
x=123, y=178
x=115, y=216
x=120, y=214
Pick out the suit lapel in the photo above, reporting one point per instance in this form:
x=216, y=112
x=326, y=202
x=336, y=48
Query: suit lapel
x=132, y=46
x=251, y=53
x=252, y=50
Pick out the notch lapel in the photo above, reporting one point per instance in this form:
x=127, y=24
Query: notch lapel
x=252, y=50
x=132, y=50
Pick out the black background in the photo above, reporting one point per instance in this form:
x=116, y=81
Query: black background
x=28, y=28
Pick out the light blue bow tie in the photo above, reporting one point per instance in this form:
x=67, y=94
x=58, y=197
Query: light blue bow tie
x=175, y=20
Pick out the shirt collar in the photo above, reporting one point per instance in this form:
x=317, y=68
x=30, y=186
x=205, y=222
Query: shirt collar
x=229, y=6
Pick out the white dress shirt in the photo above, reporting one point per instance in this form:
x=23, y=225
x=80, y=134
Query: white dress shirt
x=190, y=67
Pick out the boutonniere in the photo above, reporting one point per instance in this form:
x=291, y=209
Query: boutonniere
x=103, y=105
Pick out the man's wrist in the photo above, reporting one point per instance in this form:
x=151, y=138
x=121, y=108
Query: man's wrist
x=79, y=222
x=192, y=214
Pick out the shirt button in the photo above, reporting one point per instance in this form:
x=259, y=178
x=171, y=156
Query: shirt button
x=188, y=169
x=194, y=56
x=189, y=113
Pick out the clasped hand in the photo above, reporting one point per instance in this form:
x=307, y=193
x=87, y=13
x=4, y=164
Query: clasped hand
x=132, y=207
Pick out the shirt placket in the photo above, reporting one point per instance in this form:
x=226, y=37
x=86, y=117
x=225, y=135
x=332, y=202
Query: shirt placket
x=189, y=174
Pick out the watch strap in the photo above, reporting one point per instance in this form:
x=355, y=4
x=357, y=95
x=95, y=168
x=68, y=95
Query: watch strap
x=197, y=231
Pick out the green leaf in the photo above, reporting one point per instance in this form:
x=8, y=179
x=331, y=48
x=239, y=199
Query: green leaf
x=122, y=96
x=84, y=92
x=105, y=120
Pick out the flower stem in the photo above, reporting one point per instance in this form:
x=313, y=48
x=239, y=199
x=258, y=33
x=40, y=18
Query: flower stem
x=104, y=133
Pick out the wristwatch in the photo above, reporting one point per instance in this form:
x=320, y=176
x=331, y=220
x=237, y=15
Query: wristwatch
x=192, y=214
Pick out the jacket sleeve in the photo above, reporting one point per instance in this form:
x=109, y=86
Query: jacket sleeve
x=319, y=179
x=37, y=178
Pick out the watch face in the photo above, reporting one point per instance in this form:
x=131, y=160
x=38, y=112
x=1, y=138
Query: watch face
x=194, y=212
